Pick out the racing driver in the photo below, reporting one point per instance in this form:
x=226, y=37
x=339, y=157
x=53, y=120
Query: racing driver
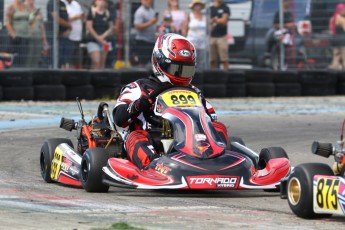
x=173, y=64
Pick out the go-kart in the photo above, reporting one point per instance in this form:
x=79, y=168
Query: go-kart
x=195, y=155
x=315, y=190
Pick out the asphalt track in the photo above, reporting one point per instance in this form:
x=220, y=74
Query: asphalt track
x=27, y=202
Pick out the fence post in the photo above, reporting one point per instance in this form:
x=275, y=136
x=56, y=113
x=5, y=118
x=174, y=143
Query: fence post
x=281, y=25
x=126, y=19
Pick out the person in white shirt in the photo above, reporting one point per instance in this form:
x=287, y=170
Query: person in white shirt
x=75, y=18
x=197, y=31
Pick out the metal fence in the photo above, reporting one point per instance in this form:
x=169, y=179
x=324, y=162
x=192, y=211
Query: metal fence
x=251, y=37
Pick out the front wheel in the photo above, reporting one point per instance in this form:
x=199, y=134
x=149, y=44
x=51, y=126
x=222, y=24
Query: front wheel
x=269, y=153
x=91, y=170
x=47, y=154
x=300, y=189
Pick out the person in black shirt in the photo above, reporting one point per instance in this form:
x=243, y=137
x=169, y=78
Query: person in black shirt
x=99, y=24
x=288, y=24
x=287, y=17
x=220, y=14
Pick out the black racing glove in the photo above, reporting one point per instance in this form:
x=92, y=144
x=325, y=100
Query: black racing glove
x=143, y=104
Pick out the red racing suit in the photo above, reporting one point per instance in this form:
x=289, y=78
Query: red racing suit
x=143, y=141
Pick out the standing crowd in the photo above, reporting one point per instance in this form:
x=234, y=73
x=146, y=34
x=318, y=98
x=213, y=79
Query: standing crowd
x=205, y=31
x=32, y=42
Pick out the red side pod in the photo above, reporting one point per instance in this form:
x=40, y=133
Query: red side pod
x=275, y=170
x=66, y=179
x=130, y=172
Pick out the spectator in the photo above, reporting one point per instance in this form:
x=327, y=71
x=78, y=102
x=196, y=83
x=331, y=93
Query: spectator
x=60, y=16
x=75, y=18
x=145, y=19
x=111, y=58
x=179, y=17
x=339, y=40
x=287, y=17
x=167, y=26
x=38, y=39
x=277, y=36
x=17, y=25
x=335, y=65
x=99, y=25
x=219, y=48
x=197, y=31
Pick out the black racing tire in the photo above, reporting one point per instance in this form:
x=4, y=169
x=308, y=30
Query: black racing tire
x=18, y=93
x=74, y=77
x=288, y=76
x=105, y=78
x=215, y=76
x=269, y=153
x=236, y=90
x=47, y=153
x=255, y=89
x=236, y=77
x=341, y=88
x=107, y=92
x=45, y=77
x=50, y=92
x=288, y=89
x=318, y=90
x=259, y=75
x=131, y=75
x=16, y=78
x=86, y=92
x=317, y=77
x=91, y=170
x=300, y=189
x=214, y=90
x=198, y=78
x=1, y=93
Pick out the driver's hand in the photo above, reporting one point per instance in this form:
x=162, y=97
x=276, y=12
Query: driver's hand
x=143, y=104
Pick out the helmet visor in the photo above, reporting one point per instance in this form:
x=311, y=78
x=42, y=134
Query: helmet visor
x=184, y=70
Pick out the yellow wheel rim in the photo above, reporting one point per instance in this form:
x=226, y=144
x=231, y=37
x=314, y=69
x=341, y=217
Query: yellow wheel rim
x=294, y=191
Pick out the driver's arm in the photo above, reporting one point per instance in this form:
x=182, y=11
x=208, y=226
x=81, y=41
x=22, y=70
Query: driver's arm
x=125, y=105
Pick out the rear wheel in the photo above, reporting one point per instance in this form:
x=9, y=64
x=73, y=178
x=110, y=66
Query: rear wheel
x=300, y=189
x=47, y=154
x=91, y=170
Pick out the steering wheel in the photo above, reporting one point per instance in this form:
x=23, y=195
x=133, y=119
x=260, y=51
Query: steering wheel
x=151, y=118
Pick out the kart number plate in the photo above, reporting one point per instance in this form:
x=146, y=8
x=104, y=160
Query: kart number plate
x=181, y=98
x=328, y=193
x=56, y=163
